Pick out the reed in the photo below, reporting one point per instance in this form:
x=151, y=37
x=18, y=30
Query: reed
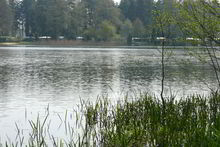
x=192, y=121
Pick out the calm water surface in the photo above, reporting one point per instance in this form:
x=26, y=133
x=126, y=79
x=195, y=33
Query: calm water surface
x=31, y=78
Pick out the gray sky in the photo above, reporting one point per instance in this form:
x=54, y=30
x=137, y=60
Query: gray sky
x=118, y=1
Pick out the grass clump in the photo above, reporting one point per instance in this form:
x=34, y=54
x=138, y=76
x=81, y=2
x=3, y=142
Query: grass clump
x=193, y=121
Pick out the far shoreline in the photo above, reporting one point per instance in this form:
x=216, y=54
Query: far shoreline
x=88, y=44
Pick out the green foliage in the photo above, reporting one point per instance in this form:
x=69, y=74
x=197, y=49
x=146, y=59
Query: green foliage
x=138, y=28
x=49, y=21
x=9, y=39
x=28, y=16
x=5, y=18
x=106, y=31
x=188, y=122
x=98, y=11
x=137, y=9
x=76, y=20
x=15, y=16
x=164, y=23
x=72, y=18
x=90, y=34
x=126, y=28
x=192, y=121
x=200, y=19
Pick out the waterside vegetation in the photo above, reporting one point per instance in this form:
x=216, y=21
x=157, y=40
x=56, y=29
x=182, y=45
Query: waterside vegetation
x=146, y=121
x=129, y=22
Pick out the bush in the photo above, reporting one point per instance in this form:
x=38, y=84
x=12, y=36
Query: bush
x=3, y=39
x=194, y=121
x=9, y=39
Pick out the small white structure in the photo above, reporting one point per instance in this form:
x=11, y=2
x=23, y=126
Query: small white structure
x=161, y=38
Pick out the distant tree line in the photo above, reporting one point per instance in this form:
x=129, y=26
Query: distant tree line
x=99, y=20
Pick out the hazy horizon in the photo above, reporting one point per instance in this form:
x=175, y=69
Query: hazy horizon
x=117, y=1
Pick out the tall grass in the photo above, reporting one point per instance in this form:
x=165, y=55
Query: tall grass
x=192, y=121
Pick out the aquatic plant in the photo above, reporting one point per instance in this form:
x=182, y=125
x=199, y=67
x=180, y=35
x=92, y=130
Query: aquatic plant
x=191, y=121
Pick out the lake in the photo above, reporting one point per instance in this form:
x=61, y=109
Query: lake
x=33, y=79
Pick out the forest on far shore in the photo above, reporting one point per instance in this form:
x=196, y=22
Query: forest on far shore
x=104, y=20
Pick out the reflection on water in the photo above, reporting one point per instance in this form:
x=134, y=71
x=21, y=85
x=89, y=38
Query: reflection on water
x=32, y=78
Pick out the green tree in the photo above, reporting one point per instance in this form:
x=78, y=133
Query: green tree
x=40, y=18
x=56, y=18
x=97, y=12
x=15, y=7
x=141, y=9
x=128, y=9
x=107, y=31
x=28, y=16
x=5, y=18
x=104, y=11
x=50, y=18
x=90, y=33
x=200, y=20
x=90, y=6
x=76, y=19
x=172, y=31
x=138, y=28
x=163, y=22
x=144, y=11
x=126, y=29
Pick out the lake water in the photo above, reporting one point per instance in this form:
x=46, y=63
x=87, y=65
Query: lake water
x=31, y=78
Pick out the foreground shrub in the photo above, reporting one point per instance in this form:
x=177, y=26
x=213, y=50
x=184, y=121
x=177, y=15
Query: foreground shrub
x=193, y=121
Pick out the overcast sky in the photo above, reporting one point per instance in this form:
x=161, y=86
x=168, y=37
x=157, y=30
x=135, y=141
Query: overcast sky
x=118, y=1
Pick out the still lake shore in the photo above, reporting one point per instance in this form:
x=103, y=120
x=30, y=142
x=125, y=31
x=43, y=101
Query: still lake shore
x=90, y=44
x=191, y=121
x=134, y=120
x=63, y=43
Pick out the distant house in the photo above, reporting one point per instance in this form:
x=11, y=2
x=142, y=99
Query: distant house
x=79, y=38
x=161, y=38
x=193, y=39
